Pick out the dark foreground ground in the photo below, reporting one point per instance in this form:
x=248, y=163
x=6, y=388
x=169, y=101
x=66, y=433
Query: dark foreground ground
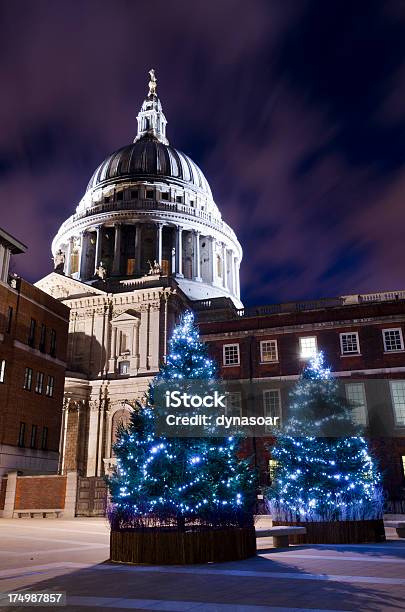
x=70, y=556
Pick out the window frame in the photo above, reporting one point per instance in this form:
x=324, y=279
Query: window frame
x=33, y=437
x=39, y=383
x=391, y=383
x=121, y=364
x=230, y=365
x=301, y=338
x=350, y=354
x=21, y=435
x=52, y=343
x=10, y=312
x=401, y=337
x=32, y=332
x=50, y=385
x=276, y=391
x=262, y=342
x=28, y=374
x=42, y=338
x=44, y=438
x=365, y=406
x=229, y=410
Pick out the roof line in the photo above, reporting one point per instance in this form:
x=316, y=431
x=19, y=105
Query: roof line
x=14, y=245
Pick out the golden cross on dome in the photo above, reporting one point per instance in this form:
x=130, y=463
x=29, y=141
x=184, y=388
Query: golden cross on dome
x=152, y=83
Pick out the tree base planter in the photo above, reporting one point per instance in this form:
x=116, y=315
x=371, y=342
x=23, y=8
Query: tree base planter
x=338, y=532
x=172, y=547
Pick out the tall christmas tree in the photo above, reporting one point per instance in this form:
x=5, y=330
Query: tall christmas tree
x=324, y=469
x=179, y=482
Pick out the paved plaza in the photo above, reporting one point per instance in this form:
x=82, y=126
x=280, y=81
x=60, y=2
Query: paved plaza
x=71, y=556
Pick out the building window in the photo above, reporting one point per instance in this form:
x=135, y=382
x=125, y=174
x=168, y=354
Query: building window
x=44, y=440
x=165, y=195
x=120, y=196
x=231, y=354
x=49, y=386
x=268, y=351
x=42, y=339
x=349, y=343
x=21, y=435
x=106, y=199
x=52, y=345
x=31, y=335
x=179, y=199
x=134, y=194
x=393, y=340
x=398, y=400
x=9, y=319
x=2, y=370
x=234, y=404
x=308, y=347
x=149, y=194
x=28, y=379
x=272, y=405
x=39, y=383
x=273, y=464
x=123, y=367
x=33, y=441
x=356, y=396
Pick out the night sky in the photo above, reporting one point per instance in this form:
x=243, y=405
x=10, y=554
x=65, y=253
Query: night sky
x=293, y=109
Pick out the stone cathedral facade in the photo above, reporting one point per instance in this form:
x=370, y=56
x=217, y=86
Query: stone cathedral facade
x=146, y=240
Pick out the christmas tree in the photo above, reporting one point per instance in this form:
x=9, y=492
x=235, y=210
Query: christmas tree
x=179, y=482
x=324, y=469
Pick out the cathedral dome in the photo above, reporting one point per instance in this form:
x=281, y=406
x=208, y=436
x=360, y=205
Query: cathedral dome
x=148, y=158
x=147, y=215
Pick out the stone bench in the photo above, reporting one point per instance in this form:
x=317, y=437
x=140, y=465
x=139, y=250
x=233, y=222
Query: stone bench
x=280, y=534
x=398, y=525
x=38, y=513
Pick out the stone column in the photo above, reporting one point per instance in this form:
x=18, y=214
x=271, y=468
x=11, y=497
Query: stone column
x=70, y=496
x=97, y=257
x=144, y=338
x=92, y=439
x=69, y=256
x=179, y=251
x=238, y=278
x=224, y=267
x=138, y=250
x=159, y=243
x=83, y=255
x=213, y=260
x=234, y=268
x=197, y=262
x=117, y=250
x=10, y=495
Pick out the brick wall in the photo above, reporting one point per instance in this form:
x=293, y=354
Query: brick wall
x=47, y=492
x=40, y=412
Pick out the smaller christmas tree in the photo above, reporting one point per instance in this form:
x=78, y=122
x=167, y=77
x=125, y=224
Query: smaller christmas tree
x=324, y=469
x=179, y=482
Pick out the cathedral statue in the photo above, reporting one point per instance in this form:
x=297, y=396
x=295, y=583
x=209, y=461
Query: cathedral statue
x=101, y=271
x=154, y=269
x=59, y=261
x=152, y=83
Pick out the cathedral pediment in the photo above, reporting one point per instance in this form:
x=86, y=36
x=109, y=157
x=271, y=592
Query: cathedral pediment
x=127, y=316
x=63, y=287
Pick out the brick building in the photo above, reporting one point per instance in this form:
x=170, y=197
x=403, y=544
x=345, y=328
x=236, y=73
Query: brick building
x=33, y=338
x=362, y=337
